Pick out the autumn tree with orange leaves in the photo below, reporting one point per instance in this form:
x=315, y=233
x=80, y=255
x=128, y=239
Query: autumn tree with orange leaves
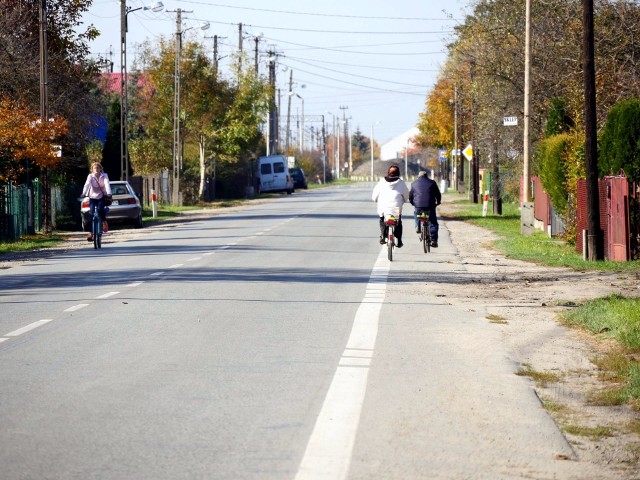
x=24, y=140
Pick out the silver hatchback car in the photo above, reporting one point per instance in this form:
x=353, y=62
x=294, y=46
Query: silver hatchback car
x=125, y=206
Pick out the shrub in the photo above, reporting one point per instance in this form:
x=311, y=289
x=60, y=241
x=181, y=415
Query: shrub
x=620, y=141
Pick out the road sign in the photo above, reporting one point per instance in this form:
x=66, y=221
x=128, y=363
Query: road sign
x=442, y=155
x=510, y=121
x=455, y=153
x=468, y=152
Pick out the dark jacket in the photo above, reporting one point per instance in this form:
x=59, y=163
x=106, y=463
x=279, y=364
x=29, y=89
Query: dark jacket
x=424, y=193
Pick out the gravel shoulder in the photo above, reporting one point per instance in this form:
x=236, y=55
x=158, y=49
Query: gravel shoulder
x=522, y=300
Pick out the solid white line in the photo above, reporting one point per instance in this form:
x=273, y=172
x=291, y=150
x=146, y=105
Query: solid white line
x=134, y=284
x=75, y=308
x=28, y=328
x=177, y=265
x=354, y=362
x=107, y=295
x=3, y=340
x=328, y=453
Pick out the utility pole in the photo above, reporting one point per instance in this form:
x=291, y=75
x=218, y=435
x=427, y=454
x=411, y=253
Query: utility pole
x=124, y=102
x=344, y=109
x=273, y=124
x=288, y=112
x=44, y=113
x=239, y=49
x=595, y=250
x=324, y=153
x=255, y=66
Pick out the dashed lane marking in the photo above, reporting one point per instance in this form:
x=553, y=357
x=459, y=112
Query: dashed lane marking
x=26, y=329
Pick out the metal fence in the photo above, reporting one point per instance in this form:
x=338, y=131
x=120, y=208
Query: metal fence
x=20, y=210
x=618, y=217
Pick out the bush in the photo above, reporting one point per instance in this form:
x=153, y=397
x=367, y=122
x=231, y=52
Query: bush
x=620, y=141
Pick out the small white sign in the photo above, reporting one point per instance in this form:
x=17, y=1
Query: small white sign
x=510, y=121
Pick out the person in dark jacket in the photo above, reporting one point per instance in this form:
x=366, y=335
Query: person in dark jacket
x=425, y=195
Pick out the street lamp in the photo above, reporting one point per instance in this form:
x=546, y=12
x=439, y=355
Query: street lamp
x=124, y=130
x=372, y=144
x=301, y=139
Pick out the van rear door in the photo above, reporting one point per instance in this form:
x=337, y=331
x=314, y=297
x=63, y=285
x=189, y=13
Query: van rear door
x=266, y=175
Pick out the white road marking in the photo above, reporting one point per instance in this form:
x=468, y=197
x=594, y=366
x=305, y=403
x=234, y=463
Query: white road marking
x=107, y=295
x=28, y=328
x=3, y=340
x=157, y=274
x=209, y=253
x=75, y=308
x=134, y=284
x=177, y=265
x=194, y=259
x=328, y=453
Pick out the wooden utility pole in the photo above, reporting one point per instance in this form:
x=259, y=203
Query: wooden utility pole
x=594, y=237
x=44, y=114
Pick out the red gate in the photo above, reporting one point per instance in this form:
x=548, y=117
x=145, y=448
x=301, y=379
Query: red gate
x=618, y=219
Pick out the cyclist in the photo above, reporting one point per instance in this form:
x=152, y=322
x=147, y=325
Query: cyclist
x=97, y=188
x=390, y=192
x=425, y=196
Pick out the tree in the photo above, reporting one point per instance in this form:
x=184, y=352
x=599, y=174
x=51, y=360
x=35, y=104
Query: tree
x=24, y=140
x=71, y=89
x=620, y=141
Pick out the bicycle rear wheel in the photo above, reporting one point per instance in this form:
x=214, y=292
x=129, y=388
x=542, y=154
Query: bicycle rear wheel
x=390, y=244
x=426, y=240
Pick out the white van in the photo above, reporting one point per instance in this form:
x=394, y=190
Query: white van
x=273, y=175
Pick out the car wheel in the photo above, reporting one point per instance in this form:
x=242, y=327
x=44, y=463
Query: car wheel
x=137, y=223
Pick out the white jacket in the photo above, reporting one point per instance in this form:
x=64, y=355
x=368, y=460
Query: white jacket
x=390, y=195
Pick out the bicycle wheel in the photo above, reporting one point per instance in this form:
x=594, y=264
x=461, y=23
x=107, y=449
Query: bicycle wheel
x=95, y=232
x=390, y=245
x=426, y=244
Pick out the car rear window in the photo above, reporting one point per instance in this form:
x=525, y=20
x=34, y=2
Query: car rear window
x=265, y=168
x=278, y=167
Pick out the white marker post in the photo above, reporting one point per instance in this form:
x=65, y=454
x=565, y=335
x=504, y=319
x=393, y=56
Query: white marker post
x=154, y=203
x=485, y=203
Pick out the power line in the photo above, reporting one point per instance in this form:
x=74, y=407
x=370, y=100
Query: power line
x=315, y=47
x=289, y=12
x=358, y=84
x=350, y=32
x=367, y=66
x=363, y=76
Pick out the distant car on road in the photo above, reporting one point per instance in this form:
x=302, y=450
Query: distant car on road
x=299, y=178
x=125, y=206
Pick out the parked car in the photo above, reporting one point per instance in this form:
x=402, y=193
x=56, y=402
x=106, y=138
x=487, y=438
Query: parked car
x=299, y=179
x=125, y=206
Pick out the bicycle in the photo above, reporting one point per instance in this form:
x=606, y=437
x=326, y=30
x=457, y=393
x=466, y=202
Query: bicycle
x=425, y=230
x=391, y=220
x=96, y=229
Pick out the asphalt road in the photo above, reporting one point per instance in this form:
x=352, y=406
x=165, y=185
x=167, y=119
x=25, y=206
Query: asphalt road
x=273, y=342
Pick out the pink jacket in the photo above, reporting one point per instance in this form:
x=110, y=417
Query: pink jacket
x=96, y=187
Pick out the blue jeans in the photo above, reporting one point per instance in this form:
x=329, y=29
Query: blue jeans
x=99, y=204
x=433, y=219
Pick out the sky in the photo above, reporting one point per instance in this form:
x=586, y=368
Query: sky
x=372, y=61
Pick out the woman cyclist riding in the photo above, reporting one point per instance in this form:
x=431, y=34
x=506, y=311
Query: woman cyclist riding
x=97, y=188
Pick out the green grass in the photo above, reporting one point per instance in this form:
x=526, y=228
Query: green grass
x=537, y=248
x=613, y=316
x=541, y=378
x=617, y=318
x=31, y=242
x=594, y=433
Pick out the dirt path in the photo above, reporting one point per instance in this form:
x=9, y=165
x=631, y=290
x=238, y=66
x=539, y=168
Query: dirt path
x=522, y=300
